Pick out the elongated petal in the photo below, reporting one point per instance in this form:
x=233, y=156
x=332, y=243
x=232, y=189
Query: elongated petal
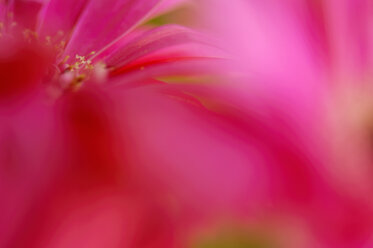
x=183, y=139
x=168, y=5
x=152, y=41
x=349, y=26
x=91, y=200
x=104, y=21
x=2, y=10
x=26, y=12
x=190, y=156
x=60, y=16
x=177, y=66
x=26, y=138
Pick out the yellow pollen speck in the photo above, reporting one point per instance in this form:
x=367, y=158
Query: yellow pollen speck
x=90, y=67
x=30, y=35
x=76, y=65
x=49, y=40
x=80, y=70
x=65, y=59
x=80, y=78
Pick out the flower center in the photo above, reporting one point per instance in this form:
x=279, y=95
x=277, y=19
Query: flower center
x=65, y=74
x=71, y=76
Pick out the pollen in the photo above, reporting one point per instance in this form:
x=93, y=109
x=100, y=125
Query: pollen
x=65, y=59
x=81, y=63
x=78, y=70
x=49, y=40
x=30, y=35
x=77, y=82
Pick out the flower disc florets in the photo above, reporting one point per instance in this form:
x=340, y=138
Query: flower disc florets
x=65, y=73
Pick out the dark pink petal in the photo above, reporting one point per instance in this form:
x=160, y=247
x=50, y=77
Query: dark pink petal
x=123, y=41
x=90, y=128
x=60, y=16
x=349, y=26
x=342, y=220
x=2, y=11
x=26, y=13
x=217, y=159
x=152, y=41
x=91, y=200
x=26, y=143
x=105, y=21
x=100, y=217
x=179, y=150
x=161, y=66
x=180, y=134
x=22, y=68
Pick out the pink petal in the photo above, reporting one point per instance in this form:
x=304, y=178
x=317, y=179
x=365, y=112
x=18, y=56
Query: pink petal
x=60, y=16
x=122, y=42
x=177, y=148
x=26, y=12
x=26, y=142
x=349, y=26
x=268, y=33
x=157, y=67
x=19, y=72
x=209, y=160
x=151, y=41
x=105, y=21
x=79, y=191
x=2, y=9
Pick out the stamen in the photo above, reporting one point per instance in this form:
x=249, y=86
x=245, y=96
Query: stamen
x=60, y=33
x=30, y=35
x=1, y=28
x=77, y=82
x=65, y=59
x=49, y=40
x=89, y=67
x=80, y=70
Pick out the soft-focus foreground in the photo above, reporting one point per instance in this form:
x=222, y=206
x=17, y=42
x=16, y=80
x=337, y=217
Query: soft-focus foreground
x=186, y=124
